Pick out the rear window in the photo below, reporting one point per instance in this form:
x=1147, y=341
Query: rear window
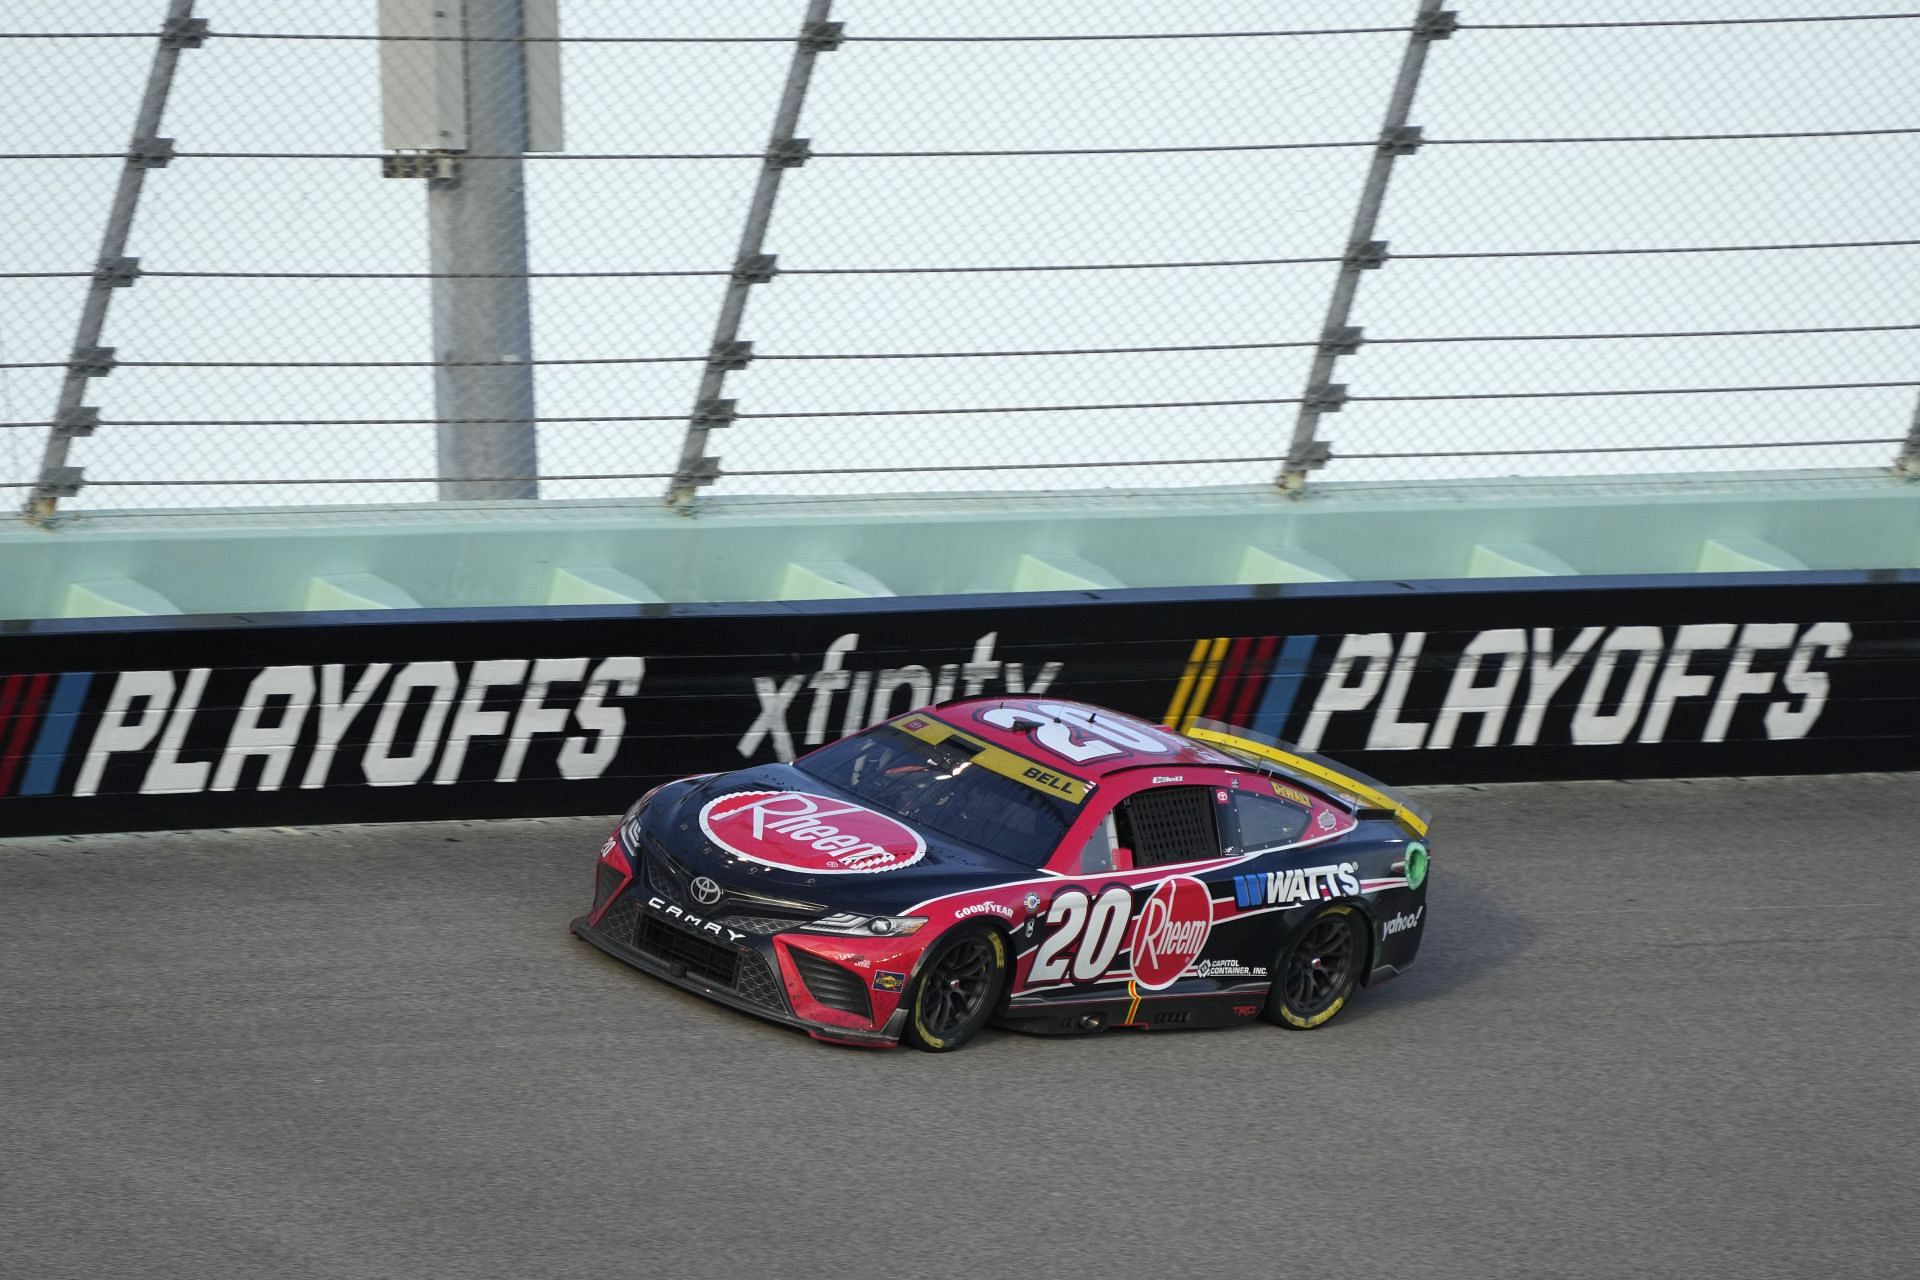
x=937, y=787
x=1266, y=823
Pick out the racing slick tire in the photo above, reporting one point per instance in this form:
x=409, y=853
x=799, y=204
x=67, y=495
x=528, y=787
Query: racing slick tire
x=958, y=989
x=1318, y=970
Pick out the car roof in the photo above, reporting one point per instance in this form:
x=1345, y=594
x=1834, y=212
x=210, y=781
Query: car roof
x=1083, y=721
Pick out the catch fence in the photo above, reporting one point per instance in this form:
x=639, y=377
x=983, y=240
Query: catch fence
x=821, y=250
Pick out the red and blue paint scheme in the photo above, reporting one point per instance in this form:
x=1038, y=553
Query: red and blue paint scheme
x=1051, y=866
x=38, y=713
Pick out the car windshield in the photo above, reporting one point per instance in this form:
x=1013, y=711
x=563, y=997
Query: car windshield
x=941, y=787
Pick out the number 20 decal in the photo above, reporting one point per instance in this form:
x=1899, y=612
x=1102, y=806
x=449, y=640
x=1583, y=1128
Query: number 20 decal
x=1096, y=927
x=1076, y=733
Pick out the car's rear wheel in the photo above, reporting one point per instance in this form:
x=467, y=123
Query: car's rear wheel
x=957, y=989
x=1318, y=971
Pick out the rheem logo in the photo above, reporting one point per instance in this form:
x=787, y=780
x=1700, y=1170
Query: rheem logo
x=1171, y=931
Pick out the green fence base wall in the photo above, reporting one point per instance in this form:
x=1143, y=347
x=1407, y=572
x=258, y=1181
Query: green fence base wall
x=774, y=548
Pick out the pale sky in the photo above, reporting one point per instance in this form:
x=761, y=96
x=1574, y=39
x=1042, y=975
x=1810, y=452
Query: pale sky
x=340, y=215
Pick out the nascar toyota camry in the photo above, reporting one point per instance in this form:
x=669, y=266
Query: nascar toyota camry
x=1052, y=866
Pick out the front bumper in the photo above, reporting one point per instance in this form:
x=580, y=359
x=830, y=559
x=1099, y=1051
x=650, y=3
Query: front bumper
x=760, y=991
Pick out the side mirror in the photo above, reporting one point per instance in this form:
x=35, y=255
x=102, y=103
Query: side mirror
x=1122, y=859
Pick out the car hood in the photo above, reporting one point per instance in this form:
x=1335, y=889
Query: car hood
x=740, y=853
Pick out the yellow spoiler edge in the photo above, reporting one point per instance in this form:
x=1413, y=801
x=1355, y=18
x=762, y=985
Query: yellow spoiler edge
x=1414, y=821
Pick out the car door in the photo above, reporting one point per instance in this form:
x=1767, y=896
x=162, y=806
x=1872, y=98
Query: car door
x=1139, y=883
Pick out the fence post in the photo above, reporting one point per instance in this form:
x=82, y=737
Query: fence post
x=751, y=266
x=1306, y=452
x=147, y=150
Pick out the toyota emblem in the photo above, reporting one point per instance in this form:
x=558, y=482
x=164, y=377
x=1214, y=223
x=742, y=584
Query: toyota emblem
x=706, y=891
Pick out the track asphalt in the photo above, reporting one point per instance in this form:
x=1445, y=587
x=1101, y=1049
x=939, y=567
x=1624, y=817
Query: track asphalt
x=1656, y=1029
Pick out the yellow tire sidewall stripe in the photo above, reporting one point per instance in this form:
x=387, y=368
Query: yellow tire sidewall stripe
x=1307, y=1024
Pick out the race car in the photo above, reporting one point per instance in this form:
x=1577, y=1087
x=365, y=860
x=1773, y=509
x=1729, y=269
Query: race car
x=1048, y=865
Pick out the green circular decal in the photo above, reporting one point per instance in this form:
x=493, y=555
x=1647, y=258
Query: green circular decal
x=1416, y=864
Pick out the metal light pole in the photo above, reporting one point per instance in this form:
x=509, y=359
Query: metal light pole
x=467, y=90
x=477, y=223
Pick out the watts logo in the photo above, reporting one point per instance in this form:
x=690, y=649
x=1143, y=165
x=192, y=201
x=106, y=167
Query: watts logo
x=1300, y=884
x=1517, y=687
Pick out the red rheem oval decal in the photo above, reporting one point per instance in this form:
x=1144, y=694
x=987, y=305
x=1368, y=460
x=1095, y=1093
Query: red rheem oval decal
x=800, y=832
x=1171, y=931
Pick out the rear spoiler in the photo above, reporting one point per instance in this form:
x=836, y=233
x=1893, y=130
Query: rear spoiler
x=1357, y=790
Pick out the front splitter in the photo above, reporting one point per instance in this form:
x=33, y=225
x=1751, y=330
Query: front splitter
x=723, y=995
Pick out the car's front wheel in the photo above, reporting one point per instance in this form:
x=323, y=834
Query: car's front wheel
x=956, y=990
x=1318, y=971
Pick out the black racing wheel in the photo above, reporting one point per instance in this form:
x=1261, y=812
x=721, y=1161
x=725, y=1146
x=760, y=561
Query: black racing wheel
x=957, y=989
x=1319, y=971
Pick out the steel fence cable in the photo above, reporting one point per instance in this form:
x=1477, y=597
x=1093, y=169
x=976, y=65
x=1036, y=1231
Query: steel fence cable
x=800, y=414
x=982, y=38
x=991, y=268
x=712, y=272
x=344, y=480
x=1645, y=250
x=1007, y=152
x=852, y=38
x=1629, y=24
x=1264, y=459
x=1166, y=349
x=1272, y=458
x=1762, y=136
x=999, y=498
x=368, y=37
x=1637, y=334
x=396, y=364
x=1623, y=448
x=1572, y=139
x=1631, y=391
x=656, y=417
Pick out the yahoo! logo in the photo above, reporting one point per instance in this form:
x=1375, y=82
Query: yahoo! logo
x=1403, y=922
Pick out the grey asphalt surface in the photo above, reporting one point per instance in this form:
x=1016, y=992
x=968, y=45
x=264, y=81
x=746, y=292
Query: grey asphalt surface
x=1656, y=1029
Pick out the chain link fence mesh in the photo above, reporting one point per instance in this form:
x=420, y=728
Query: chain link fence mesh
x=1631, y=240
